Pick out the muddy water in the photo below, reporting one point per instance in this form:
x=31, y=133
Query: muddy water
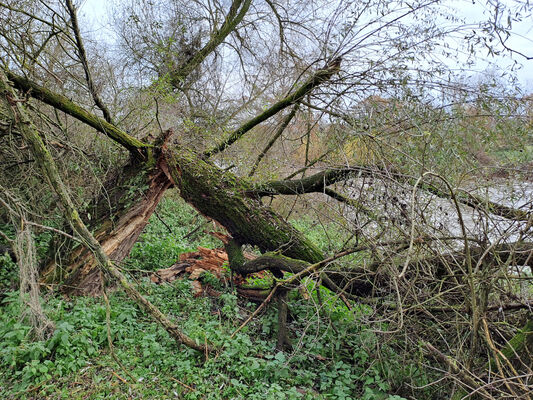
x=439, y=217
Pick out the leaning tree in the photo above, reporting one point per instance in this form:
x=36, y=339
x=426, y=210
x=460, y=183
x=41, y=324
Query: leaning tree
x=185, y=100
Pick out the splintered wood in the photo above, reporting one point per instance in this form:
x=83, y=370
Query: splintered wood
x=192, y=265
x=195, y=264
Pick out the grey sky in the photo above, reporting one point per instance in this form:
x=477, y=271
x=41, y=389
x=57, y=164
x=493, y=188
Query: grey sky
x=95, y=14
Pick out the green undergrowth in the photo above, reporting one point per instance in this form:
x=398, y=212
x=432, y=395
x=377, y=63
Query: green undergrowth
x=8, y=274
x=161, y=243
x=330, y=239
x=334, y=357
x=335, y=354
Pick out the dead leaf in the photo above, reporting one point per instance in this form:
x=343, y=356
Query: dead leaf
x=304, y=293
x=197, y=288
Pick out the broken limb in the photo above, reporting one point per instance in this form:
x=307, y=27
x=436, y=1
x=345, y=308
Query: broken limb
x=50, y=171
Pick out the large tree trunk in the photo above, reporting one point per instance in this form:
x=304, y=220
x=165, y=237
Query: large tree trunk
x=224, y=197
x=231, y=201
x=118, y=218
x=217, y=194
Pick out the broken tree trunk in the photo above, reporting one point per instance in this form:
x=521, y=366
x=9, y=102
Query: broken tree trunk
x=217, y=194
x=224, y=197
x=47, y=165
x=117, y=219
x=120, y=217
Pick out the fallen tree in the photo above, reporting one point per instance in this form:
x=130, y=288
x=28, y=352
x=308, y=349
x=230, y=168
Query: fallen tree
x=407, y=277
x=226, y=198
x=243, y=215
x=11, y=105
x=120, y=216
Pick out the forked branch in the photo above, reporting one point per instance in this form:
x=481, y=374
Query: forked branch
x=237, y=11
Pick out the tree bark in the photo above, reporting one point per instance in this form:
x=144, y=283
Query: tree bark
x=220, y=195
x=284, y=342
x=117, y=220
x=224, y=197
x=49, y=169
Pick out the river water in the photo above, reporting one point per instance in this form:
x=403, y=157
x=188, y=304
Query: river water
x=438, y=217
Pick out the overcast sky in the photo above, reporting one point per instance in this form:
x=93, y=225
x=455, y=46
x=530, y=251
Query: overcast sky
x=94, y=13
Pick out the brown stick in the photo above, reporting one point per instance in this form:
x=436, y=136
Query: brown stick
x=257, y=311
x=454, y=368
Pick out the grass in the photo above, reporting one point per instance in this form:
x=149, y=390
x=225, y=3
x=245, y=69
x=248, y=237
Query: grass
x=335, y=356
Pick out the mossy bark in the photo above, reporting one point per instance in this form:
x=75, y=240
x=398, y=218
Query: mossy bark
x=64, y=104
x=222, y=196
x=49, y=169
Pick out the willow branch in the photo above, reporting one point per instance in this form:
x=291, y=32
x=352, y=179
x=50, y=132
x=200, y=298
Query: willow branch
x=235, y=15
x=83, y=59
x=276, y=136
x=311, y=184
x=64, y=104
x=315, y=80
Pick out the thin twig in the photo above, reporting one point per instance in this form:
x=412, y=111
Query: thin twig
x=163, y=222
x=257, y=311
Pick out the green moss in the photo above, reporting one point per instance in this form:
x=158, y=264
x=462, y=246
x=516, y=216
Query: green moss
x=64, y=104
x=222, y=196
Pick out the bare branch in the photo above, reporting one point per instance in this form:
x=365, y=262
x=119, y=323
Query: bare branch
x=316, y=79
x=276, y=136
x=62, y=103
x=83, y=59
x=235, y=15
